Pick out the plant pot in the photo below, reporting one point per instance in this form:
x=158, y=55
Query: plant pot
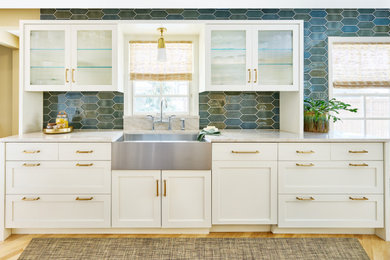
x=319, y=124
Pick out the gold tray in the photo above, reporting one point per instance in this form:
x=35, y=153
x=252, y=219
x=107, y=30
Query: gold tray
x=58, y=131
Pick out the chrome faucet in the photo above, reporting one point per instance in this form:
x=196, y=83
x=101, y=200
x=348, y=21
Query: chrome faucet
x=163, y=103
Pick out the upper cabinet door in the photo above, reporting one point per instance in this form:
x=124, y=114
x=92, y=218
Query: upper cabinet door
x=47, y=58
x=227, y=58
x=94, y=58
x=276, y=58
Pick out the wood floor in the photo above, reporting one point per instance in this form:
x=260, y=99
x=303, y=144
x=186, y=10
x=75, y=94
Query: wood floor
x=376, y=248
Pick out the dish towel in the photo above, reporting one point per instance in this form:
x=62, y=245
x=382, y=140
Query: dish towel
x=210, y=130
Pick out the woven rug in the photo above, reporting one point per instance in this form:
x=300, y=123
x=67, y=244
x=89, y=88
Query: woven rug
x=195, y=248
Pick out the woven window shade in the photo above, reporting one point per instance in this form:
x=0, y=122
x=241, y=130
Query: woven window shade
x=144, y=64
x=361, y=65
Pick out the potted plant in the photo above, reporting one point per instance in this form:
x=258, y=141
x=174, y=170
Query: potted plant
x=318, y=113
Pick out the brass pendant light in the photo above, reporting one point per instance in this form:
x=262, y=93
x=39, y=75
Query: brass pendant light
x=161, y=50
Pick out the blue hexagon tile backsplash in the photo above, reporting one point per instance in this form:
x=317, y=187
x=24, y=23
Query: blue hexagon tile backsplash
x=104, y=110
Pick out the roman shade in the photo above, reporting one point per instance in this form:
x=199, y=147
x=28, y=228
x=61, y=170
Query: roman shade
x=361, y=65
x=144, y=64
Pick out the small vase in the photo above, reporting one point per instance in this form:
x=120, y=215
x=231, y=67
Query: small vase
x=317, y=125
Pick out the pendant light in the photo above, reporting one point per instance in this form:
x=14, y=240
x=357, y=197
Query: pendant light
x=161, y=50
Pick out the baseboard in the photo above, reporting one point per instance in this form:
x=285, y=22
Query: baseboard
x=110, y=231
x=240, y=228
x=362, y=231
x=4, y=234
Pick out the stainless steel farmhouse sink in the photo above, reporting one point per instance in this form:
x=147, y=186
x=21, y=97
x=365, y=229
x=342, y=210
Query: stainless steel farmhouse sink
x=160, y=152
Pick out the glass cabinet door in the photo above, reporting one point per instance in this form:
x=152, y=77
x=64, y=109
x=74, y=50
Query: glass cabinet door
x=92, y=57
x=47, y=58
x=228, y=58
x=276, y=63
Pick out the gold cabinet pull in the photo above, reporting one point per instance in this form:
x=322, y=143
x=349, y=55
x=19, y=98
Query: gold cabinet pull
x=301, y=198
x=31, y=164
x=165, y=188
x=363, y=198
x=305, y=165
x=245, y=151
x=84, y=164
x=311, y=151
x=358, y=164
x=362, y=151
x=90, y=198
x=31, y=199
x=66, y=75
x=157, y=193
x=73, y=80
x=255, y=76
x=32, y=151
x=250, y=76
x=90, y=151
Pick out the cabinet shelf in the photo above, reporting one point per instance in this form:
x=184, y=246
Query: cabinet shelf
x=47, y=49
x=93, y=49
x=94, y=67
x=228, y=49
x=275, y=49
x=47, y=67
x=275, y=64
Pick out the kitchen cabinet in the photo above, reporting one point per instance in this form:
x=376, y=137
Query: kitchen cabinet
x=248, y=57
x=70, y=57
x=168, y=199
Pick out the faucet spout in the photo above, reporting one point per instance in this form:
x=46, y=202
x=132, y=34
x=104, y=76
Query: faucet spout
x=163, y=103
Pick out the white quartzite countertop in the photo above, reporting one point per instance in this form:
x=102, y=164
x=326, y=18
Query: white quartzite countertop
x=227, y=136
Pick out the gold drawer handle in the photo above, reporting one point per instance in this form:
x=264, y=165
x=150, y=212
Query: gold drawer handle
x=90, y=198
x=36, y=151
x=66, y=75
x=165, y=188
x=250, y=76
x=30, y=199
x=31, y=164
x=358, y=164
x=362, y=151
x=84, y=165
x=305, y=165
x=255, y=76
x=301, y=198
x=311, y=151
x=246, y=151
x=73, y=80
x=157, y=193
x=78, y=151
x=352, y=198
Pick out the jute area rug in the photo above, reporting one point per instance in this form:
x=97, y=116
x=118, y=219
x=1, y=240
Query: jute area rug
x=195, y=248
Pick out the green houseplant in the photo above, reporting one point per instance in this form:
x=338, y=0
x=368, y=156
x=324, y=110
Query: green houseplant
x=318, y=113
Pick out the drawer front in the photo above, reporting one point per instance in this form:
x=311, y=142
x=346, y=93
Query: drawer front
x=304, y=151
x=331, y=177
x=357, y=151
x=331, y=211
x=58, y=211
x=83, y=151
x=245, y=152
x=31, y=151
x=46, y=177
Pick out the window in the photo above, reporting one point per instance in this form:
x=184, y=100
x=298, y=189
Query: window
x=360, y=75
x=153, y=81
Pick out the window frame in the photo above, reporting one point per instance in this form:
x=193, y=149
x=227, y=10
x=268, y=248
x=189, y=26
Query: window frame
x=194, y=84
x=331, y=94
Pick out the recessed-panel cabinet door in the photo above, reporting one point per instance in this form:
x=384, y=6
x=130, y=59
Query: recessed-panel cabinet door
x=136, y=200
x=47, y=58
x=228, y=58
x=244, y=192
x=186, y=199
x=276, y=57
x=93, y=57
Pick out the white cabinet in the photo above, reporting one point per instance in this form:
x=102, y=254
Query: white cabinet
x=186, y=200
x=70, y=57
x=254, y=57
x=171, y=199
x=244, y=192
x=136, y=199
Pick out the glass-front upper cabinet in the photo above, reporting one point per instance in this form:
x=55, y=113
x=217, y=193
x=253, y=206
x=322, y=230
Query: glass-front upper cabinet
x=228, y=57
x=70, y=58
x=47, y=54
x=246, y=57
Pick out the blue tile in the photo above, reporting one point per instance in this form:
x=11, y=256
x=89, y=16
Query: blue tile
x=350, y=29
x=317, y=21
x=318, y=13
x=366, y=17
x=349, y=21
x=382, y=21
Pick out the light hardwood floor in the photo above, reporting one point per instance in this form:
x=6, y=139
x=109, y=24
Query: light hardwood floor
x=376, y=248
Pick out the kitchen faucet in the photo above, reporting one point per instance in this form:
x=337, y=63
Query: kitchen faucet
x=163, y=103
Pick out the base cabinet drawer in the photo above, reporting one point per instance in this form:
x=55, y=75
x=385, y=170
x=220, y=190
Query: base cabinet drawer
x=331, y=177
x=58, y=211
x=31, y=151
x=304, y=151
x=84, y=151
x=357, y=151
x=58, y=177
x=331, y=211
x=245, y=152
